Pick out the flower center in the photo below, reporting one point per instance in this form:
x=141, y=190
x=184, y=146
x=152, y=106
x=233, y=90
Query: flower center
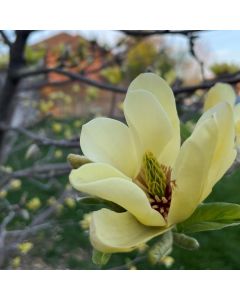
x=155, y=180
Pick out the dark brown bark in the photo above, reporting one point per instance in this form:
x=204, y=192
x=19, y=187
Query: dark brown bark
x=7, y=99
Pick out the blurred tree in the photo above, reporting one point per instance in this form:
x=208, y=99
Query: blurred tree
x=222, y=69
x=34, y=55
x=140, y=57
x=146, y=55
x=112, y=74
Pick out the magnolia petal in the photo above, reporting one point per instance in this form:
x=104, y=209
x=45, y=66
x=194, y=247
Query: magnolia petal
x=237, y=123
x=170, y=152
x=225, y=153
x=164, y=94
x=218, y=93
x=148, y=120
x=191, y=171
x=119, y=232
x=104, y=181
x=109, y=141
x=161, y=91
x=237, y=112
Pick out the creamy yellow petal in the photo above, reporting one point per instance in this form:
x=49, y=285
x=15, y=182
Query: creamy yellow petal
x=218, y=93
x=225, y=153
x=163, y=93
x=106, y=182
x=170, y=152
x=148, y=120
x=119, y=232
x=191, y=171
x=237, y=123
x=161, y=90
x=109, y=141
x=237, y=112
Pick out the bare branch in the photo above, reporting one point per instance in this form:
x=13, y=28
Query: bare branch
x=74, y=143
x=30, y=230
x=234, y=78
x=5, y=38
x=73, y=76
x=37, y=171
x=144, y=33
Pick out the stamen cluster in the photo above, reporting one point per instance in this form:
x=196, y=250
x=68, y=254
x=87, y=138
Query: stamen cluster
x=155, y=180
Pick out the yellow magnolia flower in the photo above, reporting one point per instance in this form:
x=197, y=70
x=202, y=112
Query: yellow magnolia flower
x=141, y=167
x=221, y=92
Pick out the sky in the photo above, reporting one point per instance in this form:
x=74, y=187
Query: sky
x=216, y=45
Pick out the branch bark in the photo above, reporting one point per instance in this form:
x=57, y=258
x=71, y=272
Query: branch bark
x=233, y=78
x=7, y=101
x=5, y=38
x=144, y=33
x=42, y=140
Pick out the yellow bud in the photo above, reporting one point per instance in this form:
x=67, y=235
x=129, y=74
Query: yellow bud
x=3, y=193
x=24, y=248
x=16, y=261
x=70, y=202
x=34, y=204
x=58, y=153
x=167, y=261
x=56, y=127
x=68, y=133
x=85, y=222
x=15, y=184
x=77, y=124
x=77, y=161
x=52, y=201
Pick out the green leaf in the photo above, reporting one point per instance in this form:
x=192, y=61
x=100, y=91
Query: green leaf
x=161, y=248
x=211, y=216
x=184, y=241
x=99, y=258
x=90, y=200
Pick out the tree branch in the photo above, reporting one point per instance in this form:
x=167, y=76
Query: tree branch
x=144, y=33
x=74, y=143
x=37, y=171
x=5, y=38
x=234, y=78
x=74, y=76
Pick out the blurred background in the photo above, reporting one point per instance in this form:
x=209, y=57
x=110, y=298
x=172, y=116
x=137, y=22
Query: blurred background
x=51, y=83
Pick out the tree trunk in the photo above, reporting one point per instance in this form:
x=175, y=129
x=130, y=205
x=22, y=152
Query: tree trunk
x=7, y=99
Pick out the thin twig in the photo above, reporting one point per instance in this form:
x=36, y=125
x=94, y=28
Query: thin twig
x=37, y=171
x=74, y=143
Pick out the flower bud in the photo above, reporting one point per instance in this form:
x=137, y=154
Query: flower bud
x=184, y=241
x=77, y=161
